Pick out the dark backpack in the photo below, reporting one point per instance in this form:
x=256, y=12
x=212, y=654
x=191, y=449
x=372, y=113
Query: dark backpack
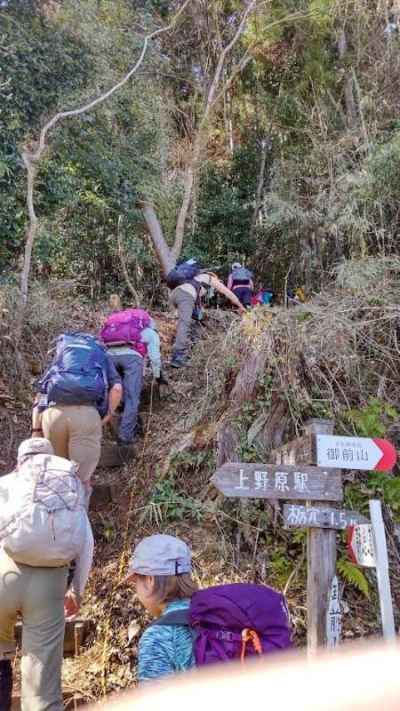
x=78, y=373
x=234, y=621
x=183, y=273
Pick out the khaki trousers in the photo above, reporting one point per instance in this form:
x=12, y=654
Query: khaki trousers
x=38, y=594
x=75, y=433
x=185, y=304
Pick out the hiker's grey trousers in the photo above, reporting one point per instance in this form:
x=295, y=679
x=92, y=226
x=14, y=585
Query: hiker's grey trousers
x=38, y=595
x=130, y=366
x=185, y=304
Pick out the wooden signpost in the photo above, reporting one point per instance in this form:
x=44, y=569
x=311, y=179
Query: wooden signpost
x=291, y=479
x=295, y=477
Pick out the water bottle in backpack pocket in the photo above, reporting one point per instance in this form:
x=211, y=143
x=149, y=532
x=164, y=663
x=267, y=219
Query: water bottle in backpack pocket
x=232, y=622
x=78, y=374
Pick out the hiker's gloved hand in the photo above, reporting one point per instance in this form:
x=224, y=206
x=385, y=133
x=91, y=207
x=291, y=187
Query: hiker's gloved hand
x=71, y=604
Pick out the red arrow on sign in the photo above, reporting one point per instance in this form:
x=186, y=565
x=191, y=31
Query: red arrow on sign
x=389, y=455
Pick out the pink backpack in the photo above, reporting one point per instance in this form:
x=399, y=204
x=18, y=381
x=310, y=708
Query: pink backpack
x=125, y=328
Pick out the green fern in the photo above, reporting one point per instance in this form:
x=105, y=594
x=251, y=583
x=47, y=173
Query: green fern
x=353, y=575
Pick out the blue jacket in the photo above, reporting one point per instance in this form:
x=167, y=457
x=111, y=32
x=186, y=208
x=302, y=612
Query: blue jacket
x=166, y=649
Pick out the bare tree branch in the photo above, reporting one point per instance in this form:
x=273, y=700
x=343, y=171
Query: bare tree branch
x=31, y=158
x=212, y=100
x=265, y=146
x=199, y=137
x=123, y=264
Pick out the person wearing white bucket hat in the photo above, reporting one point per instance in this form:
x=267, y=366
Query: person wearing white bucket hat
x=160, y=570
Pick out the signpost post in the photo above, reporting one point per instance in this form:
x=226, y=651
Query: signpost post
x=382, y=570
x=289, y=480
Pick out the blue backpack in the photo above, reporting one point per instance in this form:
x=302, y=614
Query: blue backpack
x=183, y=273
x=78, y=373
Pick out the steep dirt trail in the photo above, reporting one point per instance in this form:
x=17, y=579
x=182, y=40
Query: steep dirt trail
x=109, y=661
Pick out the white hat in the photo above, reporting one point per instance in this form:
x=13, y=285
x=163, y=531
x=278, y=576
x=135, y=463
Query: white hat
x=160, y=555
x=236, y=265
x=35, y=445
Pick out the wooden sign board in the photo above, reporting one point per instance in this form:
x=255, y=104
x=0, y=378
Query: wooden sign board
x=297, y=516
x=268, y=481
x=334, y=616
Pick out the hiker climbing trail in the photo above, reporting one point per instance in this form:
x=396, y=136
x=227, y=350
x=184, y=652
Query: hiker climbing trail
x=162, y=483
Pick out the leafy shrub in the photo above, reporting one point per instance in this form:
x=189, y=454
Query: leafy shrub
x=168, y=504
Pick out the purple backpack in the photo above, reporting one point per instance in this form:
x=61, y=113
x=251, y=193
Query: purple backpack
x=125, y=327
x=234, y=621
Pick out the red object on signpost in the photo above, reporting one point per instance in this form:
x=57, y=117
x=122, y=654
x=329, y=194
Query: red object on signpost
x=389, y=455
x=360, y=545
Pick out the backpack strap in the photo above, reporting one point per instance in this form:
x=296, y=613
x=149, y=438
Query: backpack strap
x=175, y=617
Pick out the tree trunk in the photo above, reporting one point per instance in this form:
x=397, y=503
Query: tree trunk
x=349, y=100
x=201, y=134
x=164, y=253
x=124, y=265
x=30, y=238
x=265, y=146
x=228, y=444
x=247, y=378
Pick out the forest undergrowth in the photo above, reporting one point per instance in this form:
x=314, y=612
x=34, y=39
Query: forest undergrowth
x=256, y=379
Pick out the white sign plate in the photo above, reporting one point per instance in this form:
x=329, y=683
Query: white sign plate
x=334, y=616
x=361, y=545
x=347, y=452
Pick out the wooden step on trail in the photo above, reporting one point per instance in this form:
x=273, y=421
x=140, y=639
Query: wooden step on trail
x=116, y=455
x=107, y=488
x=76, y=635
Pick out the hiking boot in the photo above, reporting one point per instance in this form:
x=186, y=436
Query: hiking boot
x=179, y=359
x=6, y=682
x=139, y=429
